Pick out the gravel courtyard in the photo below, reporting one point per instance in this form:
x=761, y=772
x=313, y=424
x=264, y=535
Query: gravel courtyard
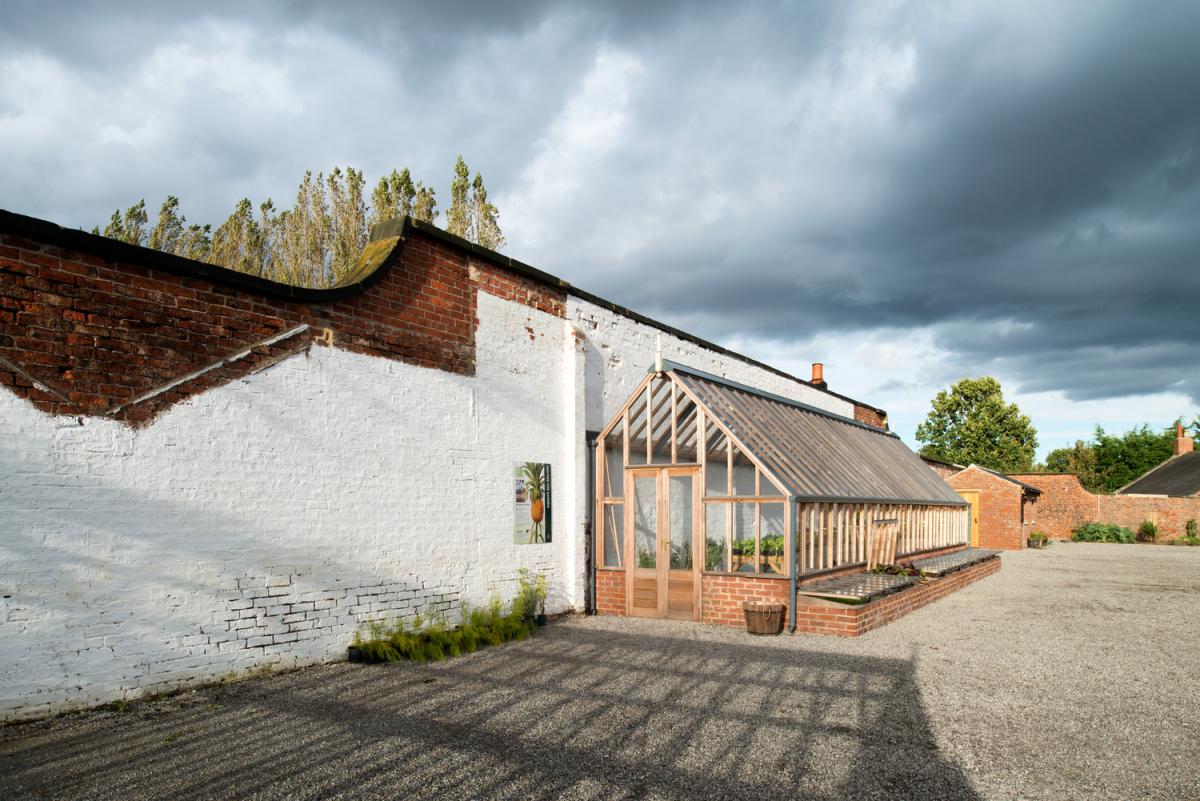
x=1072, y=674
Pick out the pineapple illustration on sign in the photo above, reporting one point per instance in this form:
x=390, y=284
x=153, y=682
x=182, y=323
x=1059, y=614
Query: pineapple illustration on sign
x=532, y=500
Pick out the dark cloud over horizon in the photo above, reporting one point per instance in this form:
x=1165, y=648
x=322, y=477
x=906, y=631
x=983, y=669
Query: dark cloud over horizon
x=1017, y=183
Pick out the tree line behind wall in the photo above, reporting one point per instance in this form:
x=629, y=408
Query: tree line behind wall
x=318, y=240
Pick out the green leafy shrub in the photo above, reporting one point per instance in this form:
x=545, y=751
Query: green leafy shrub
x=491, y=625
x=1191, y=528
x=1190, y=536
x=1102, y=532
x=1039, y=539
x=1147, y=531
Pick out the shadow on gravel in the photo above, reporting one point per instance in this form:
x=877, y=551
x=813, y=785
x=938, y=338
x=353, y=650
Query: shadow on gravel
x=577, y=713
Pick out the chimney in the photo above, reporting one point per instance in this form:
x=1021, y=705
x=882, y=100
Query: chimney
x=818, y=375
x=1183, y=444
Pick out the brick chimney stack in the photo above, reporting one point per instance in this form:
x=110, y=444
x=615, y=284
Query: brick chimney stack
x=1183, y=444
x=818, y=375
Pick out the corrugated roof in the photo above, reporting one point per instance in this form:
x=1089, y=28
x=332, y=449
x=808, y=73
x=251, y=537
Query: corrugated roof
x=818, y=455
x=1179, y=475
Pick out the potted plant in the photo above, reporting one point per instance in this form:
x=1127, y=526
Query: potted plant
x=1039, y=539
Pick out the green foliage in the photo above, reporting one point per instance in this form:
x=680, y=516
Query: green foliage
x=1190, y=527
x=1147, y=531
x=1079, y=459
x=435, y=641
x=897, y=570
x=317, y=241
x=1039, y=539
x=1119, y=460
x=459, y=220
x=1102, y=532
x=645, y=558
x=971, y=423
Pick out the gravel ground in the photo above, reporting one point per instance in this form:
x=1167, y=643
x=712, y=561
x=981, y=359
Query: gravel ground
x=1072, y=674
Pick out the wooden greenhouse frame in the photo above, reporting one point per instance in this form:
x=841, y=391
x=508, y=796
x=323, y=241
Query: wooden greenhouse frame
x=662, y=458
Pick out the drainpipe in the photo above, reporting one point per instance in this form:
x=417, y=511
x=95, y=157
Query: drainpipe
x=589, y=598
x=792, y=564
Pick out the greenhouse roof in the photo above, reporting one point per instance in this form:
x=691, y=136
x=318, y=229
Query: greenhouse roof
x=815, y=454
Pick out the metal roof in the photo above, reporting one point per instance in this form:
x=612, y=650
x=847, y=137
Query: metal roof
x=817, y=455
x=1179, y=475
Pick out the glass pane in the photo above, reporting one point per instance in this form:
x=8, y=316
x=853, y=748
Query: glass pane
x=766, y=487
x=614, y=474
x=662, y=422
x=637, y=430
x=716, y=473
x=743, y=475
x=645, y=521
x=685, y=431
x=771, y=539
x=743, y=537
x=680, y=522
x=614, y=463
x=614, y=534
x=716, y=521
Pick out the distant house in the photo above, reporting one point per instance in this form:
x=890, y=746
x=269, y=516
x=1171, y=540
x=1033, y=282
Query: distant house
x=1177, y=477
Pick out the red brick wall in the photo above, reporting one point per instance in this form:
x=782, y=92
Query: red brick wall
x=871, y=417
x=98, y=332
x=610, y=592
x=999, y=508
x=1064, y=505
x=721, y=597
x=814, y=616
x=943, y=470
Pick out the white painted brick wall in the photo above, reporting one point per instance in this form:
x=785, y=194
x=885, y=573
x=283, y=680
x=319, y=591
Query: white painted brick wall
x=261, y=523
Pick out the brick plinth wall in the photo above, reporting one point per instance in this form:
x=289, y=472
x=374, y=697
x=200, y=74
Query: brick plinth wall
x=721, y=597
x=1065, y=505
x=610, y=592
x=815, y=616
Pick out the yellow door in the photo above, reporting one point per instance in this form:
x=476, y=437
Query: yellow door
x=972, y=497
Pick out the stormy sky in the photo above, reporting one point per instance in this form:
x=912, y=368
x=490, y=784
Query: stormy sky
x=911, y=193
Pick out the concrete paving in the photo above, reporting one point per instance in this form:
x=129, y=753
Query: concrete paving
x=1072, y=674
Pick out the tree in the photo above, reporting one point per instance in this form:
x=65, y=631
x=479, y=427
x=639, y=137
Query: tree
x=318, y=241
x=1120, y=460
x=1079, y=459
x=971, y=423
x=486, y=217
x=459, y=217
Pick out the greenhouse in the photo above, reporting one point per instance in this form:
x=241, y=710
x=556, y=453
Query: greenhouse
x=709, y=493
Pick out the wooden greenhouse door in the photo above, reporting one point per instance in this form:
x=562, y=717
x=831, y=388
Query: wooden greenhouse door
x=972, y=497
x=661, y=542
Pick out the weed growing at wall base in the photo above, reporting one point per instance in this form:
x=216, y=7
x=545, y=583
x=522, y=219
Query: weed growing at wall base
x=437, y=641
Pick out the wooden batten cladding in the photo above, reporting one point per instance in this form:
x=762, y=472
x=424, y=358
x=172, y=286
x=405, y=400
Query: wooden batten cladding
x=832, y=535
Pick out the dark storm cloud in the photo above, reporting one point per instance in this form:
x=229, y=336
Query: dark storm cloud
x=1021, y=179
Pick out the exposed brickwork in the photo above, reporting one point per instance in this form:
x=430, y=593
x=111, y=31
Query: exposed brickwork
x=871, y=417
x=1000, y=508
x=610, y=592
x=721, y=597
x=99, y=333
x=510, y=286
x=814, y=616
x=1064, y=505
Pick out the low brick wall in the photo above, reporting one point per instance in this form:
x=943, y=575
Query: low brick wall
x=721, y=597
x=610, y=592
x=815, y=616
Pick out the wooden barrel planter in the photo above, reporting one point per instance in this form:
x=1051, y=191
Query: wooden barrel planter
x=763, y=618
